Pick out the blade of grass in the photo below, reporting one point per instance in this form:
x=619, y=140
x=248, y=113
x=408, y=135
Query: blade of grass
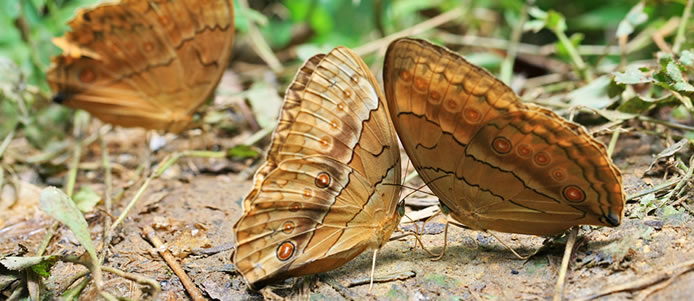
x=58, y=205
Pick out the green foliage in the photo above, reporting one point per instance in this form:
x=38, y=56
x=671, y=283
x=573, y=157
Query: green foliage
x=242, y=151
x=86, y=198
x=58, y=205
x=635, y=17
x=28, y=27
x=39, y=264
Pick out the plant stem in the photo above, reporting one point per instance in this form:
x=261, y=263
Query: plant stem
x=507, y=65
x=679, y=38
x=575, y=57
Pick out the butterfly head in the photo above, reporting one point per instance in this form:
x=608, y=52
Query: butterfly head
x=60, y=97
x=401, y=208
x=613, y=219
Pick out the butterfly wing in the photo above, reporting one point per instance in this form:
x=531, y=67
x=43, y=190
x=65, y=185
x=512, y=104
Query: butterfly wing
x=497, y=163
x=329, y=187
x=144, y=63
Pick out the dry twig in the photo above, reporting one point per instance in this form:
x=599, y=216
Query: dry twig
x=193, y=290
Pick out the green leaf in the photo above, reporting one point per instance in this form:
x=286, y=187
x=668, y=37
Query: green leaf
x=19, y=263
x=242, y=151
x=687, y=58
x=674, y=72
x=683, y=87
x=635, y=105
x=631, y=76
x=592, y=95
x=265, y=103
x=540, y=20
x=556, y=21
x=639, y=104
x=537, y=13
x=635, y=17
x=58, y=205
x=86, y=199
x=534, y=25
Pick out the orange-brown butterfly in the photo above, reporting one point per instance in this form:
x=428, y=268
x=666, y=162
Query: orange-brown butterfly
x=144, y=63
x=495, y=162
x=330, y=187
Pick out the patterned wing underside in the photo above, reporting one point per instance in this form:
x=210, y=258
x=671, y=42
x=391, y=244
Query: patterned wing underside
x=497, y=163
x=329, y=226
x=334, y=125
x=144, y=63
x=334, y=108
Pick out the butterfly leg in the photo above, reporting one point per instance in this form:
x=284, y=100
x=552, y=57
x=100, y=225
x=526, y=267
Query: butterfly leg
x=445, y=242
x=418, y=234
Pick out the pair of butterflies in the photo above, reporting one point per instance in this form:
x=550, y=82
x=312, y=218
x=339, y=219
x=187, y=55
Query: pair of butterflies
x=330, y=187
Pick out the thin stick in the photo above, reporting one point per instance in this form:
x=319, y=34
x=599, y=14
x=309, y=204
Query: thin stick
x=559, y=288
x=414, y=30
x=383, y=278
x=653, y=189
x=645, y=282
x=192, y=290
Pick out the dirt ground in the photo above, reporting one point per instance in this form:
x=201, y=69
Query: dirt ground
x=195, y=204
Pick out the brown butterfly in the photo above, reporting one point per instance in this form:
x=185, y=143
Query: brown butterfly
x=145, y=63
x=493, y=161
x=329, y=189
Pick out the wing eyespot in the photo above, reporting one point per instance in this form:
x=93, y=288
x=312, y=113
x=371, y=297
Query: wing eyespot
x=285, y=250
x=323, y=180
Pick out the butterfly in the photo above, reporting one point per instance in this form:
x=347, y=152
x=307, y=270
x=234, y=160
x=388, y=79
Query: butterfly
x=330, y=186
x=147, y=64
x=494, y=162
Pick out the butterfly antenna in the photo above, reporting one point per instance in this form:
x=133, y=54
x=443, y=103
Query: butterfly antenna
x=404, y=178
